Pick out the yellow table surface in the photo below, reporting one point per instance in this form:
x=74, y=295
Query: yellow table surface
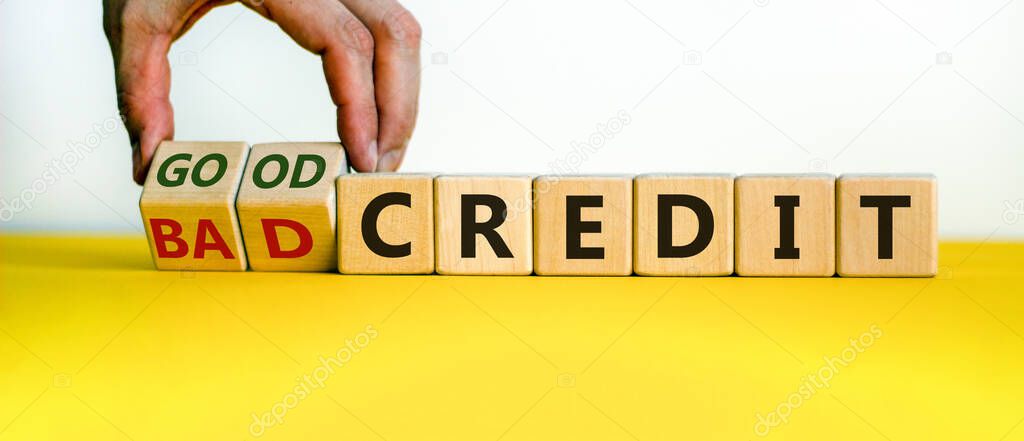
x=95, y=344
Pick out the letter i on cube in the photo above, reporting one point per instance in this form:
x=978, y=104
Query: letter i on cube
x=785, y=225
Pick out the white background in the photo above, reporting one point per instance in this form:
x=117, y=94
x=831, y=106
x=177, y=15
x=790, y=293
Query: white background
x=736, y=86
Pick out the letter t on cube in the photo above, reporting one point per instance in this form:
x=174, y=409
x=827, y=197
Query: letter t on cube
x=887, y=225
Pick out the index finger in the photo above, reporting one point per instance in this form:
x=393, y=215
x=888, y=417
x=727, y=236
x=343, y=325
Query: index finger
x=328, y=28
x=397, y=74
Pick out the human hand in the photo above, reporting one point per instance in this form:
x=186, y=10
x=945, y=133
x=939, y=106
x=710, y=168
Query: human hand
x=369, y=50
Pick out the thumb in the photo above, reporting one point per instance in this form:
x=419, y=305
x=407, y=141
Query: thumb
x=143, y=80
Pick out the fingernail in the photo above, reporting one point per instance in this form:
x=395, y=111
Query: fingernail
x=390, y=161
x=373, y=153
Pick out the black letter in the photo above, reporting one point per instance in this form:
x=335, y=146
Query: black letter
x=885, y=205
x=574, y=227
x=470, y=228
x=300, y=161
x=705, y=225
x=370, y=234
x=787, y=229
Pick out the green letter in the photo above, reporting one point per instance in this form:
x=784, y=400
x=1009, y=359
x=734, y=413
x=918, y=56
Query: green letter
x=282, y=171
x=321, y=167
x=179, y=173
x=222, y=167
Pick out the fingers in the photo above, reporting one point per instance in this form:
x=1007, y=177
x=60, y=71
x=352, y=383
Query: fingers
x=143, y=80
x=397, y=74
x=375, y=121
x=328, y=28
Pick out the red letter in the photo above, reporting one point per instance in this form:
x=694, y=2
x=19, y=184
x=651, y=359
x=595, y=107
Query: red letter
x=274, y=244
x=206, y=227
x=160, y=238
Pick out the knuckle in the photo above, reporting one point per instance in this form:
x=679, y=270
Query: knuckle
x=400, y=25
x=130, y=103
x=360, y=111
x=356, y=37
x=136, y=108
x=133, y=20
x=134, y=17
x=405, y=126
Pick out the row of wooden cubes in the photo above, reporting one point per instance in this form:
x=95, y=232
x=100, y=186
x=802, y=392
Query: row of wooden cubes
x=294, y=207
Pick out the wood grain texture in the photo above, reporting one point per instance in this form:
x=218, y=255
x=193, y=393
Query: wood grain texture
x=913, y=250
x=614, y=215
x=174, y=191
x=396, y=224
x=291, y=205
x=515, y=232
x=715, y=190
x=758, y=225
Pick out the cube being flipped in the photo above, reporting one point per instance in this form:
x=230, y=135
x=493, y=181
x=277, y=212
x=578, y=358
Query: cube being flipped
x=286, y=206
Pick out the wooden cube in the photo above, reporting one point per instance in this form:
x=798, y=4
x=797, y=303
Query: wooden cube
x=484, y=225
x=583, y=225
x=386, y=223
x=286, y=206
x=785, y=225
x=683, y=225
x=188, y=206
x=888, y=225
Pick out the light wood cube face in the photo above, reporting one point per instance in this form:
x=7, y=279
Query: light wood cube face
x=286, y=206
x=188, y=206
x=888, y=225
x=785, y=225
x=583, y=225
x=386, y=223
x=484, y=225
x=683, y=225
